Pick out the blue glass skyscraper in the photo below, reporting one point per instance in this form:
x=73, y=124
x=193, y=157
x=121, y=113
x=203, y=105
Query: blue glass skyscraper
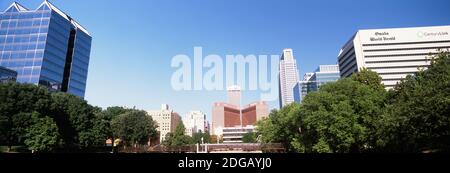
x=312, y=81
x=46, y=47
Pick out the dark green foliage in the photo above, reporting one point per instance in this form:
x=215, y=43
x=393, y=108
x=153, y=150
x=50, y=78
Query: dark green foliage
x=357, y=115
x=134, y=127
x=79, y=125
x=197, y=138
x=42, y=135
x=249, y=137
x=17, y=100
x=76, y=120
x=420, y=110
x=178, y=138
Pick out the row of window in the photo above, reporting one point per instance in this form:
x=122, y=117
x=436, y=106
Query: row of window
x=16, y=39
x=347, y=60
x=76, y=91
x=28, y=72
x=28, y=79
x=393, y=79
x=52, y=73
x=391, y=67
x=76, y=75
x=406, y=43
x=26, y=23
x=25, y=15
x=395, y=73
x=320, y=75
x=349, y=67
x=21, y=62
x=76, y=85
x=57, y=50
x=21, y=54
x=410, y=48
x=391, y=61
x=22, y=47
x=26, y=31
x=349, y=70
x=396, y=55
x=351, y=50
x=58, y=60
x=81, y=59
x=79, y=71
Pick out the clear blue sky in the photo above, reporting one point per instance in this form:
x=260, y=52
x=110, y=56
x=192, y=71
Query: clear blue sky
x=134, y=40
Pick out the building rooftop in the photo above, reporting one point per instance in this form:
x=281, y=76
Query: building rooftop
x=20, y=8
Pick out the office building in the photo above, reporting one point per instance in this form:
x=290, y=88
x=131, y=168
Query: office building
x=392, y=53
x=195, y=122
x=313, y=81
x=226, y=115
x=45, y=47
x=288, y=77
x=7, y=75
x=235, y=134
x=166, y=119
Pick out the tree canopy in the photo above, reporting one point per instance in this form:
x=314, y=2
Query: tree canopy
x=178, y=138
x=134, y=127
x=30, y=115
x=357, y=114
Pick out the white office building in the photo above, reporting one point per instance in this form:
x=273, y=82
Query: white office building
x=235, y=134
x=288, y=77
x=195, y=122
x=392, y=53
x=166, y=119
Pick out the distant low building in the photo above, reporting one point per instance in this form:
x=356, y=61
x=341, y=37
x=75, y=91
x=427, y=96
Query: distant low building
x=235, y=134
x=7, y=75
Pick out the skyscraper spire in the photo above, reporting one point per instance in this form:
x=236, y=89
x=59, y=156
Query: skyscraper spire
x=288, y=77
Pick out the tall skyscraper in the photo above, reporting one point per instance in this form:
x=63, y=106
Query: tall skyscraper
x=45, y=47
x=313, y=81
x=392, y=53
x=288, y=77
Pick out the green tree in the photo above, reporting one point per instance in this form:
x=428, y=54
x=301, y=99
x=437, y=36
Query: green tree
x=249, y=137
x=197, y=138
x=178, y=138
x=15, y=99
x=76, y=120
x=21, y=122
x=103, y=125
x=419, y=117
x=343, y=116
x=80, y=125
x=134, y=127
x=369, y=78
x=43, y=135
x=281, y=126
